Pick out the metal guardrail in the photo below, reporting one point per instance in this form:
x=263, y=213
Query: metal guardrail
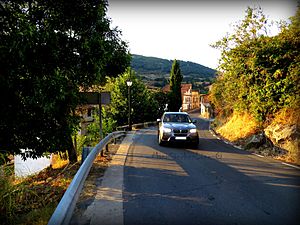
x=65, y=208
x=137, y=126
x=64, y=211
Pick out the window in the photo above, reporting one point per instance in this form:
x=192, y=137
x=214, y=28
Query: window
x=177, y=118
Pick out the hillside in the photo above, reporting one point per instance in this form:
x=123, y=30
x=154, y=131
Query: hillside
x=156, y=71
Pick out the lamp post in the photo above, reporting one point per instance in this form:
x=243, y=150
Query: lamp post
x=129, y=83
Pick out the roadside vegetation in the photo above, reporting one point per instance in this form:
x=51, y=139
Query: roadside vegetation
x=146, y=105
x=257, y=91
x=49, y=51
x=32, y=200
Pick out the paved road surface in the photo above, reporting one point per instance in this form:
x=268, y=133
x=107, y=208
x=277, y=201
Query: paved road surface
x=214, y=184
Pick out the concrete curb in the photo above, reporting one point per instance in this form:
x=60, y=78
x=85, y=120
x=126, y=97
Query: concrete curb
x=107, y=207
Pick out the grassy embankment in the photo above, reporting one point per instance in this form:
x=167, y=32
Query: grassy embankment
x=239, y=128
x=32, y=200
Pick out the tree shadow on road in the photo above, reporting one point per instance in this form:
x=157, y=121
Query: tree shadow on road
x=213, y=184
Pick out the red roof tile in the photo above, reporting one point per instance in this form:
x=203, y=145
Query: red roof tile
x=184, y=88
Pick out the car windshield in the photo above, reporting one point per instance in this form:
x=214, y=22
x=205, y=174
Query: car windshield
x=177, y=118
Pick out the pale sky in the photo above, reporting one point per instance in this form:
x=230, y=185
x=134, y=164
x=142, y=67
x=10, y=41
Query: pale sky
x=184, y=29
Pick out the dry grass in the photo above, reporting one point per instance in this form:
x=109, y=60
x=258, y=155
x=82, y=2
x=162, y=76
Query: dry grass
x=288, y=116
x=58, y=162
x=239, y=126
x=32, y=200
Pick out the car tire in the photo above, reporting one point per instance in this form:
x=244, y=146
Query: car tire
x=160, y=141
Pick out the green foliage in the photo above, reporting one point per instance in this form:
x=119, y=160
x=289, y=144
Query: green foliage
x=259, y=74
x=7, y=206
x=4, y=157
x=32, y=200
x=160, y=99
x=175, y=87
x=81, y=141
x=48, y=50
x=145, y=105
x=93, y=135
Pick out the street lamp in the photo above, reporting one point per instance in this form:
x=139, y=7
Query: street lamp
x=129, y=83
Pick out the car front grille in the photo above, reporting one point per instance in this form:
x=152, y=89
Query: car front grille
x=180, y=133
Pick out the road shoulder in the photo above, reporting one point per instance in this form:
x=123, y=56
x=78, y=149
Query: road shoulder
x=107, y=204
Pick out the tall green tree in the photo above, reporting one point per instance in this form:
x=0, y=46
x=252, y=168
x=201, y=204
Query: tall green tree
x=175, y=87
x=50, y=49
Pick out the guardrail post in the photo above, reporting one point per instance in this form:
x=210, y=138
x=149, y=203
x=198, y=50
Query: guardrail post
x=85, y=152
x=64, y=210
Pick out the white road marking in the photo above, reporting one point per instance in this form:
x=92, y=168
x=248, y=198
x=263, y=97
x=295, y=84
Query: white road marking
x=296, y=167
x=258, y=155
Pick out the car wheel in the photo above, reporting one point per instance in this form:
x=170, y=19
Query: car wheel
x=160, y=141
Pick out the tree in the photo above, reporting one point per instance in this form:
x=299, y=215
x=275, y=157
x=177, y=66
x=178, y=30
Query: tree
x=175, y=87
x=49, y=49
x=147, y=105
x=108, y=125
x=259, y=74
x=144, y=107
x=160, y=100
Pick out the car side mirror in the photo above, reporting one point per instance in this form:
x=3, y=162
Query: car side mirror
x=194, y=121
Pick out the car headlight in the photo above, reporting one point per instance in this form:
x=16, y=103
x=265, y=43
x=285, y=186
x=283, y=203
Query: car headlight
x=166, y=130
x=193, y=130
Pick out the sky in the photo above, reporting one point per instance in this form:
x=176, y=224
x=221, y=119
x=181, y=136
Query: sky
x=184, y=30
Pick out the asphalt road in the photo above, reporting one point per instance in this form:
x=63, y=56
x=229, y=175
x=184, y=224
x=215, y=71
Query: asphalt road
x=214, y=184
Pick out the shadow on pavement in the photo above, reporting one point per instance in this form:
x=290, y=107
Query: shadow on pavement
x=214, y=184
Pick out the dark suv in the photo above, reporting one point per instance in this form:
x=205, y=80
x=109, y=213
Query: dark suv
x=177, y=127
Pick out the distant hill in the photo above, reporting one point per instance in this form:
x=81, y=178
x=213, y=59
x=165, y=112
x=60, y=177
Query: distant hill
x=156, y=66
x=155, y=72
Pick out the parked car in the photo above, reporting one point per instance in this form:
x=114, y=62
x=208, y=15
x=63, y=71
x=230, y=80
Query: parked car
x=177, y=127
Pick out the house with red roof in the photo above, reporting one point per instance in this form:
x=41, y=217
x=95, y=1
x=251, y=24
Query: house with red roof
x=205, y=107
x=188, y=95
